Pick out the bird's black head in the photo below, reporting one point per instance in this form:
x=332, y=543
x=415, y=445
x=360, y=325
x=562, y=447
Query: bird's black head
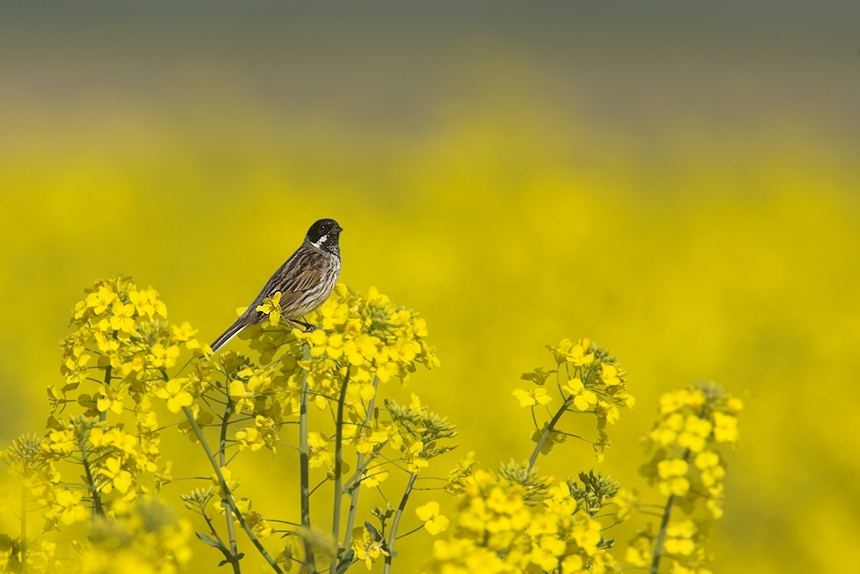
x=324, y=235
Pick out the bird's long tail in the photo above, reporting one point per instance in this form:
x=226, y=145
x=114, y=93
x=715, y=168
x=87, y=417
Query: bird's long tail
x=234, y=329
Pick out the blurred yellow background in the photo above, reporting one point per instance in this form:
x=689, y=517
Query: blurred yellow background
x=678, y=182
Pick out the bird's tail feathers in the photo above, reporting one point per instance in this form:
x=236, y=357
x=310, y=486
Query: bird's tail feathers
x=225, y=337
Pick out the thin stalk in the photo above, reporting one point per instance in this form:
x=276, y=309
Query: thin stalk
x=108, y=371
x=338, y=465
x=364, y=464
x=211, y=527
x=222, y=462
x=664, y=523
x=354, y=493
x=98, y=509
x=304, y=459
x=392, y=536
x=548, y=431
x=24, y=529
x=661, y=535
x=103, y=414
x=227, y=494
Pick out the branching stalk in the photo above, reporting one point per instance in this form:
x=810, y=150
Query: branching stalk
x=103, y=414
x=98, y=510
x=304, y=460
x=228, y=495
x=395, y=523
x=661, y=535
x=664, y=523
x=548, y=430
x=338, y=466
x=24, y=528
x=228, y=512
x=364, y=463
x=354, y=493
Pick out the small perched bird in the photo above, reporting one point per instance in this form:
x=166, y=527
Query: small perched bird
x=305, y=281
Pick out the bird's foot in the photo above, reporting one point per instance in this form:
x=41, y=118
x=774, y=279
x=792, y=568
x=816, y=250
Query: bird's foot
x=305, y=327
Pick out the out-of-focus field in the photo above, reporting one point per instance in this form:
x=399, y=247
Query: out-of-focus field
x=678, y=183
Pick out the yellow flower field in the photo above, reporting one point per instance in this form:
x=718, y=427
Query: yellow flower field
x=695, y=213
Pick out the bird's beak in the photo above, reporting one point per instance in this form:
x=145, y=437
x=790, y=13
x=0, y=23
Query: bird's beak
x=338, y=228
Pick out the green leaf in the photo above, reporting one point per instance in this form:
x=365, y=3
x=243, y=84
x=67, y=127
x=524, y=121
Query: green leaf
x=211, y=542
x=345, y=561
x=372, y=529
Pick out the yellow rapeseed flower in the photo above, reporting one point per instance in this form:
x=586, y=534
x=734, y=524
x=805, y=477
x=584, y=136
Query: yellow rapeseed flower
x=119, y=478
x=372, y=478
x=366, y=547
x=709, y=464
x=319, y=455
x=68, y=505
x=609, y=374
x=575, y=353
x=725, y=428
x=667, y=430
x=109, y=399
x=272, y=307
x=176, y=397
x=695, y=434
x=537, y=396
x=584, y=399
x=100, y=300
x=639, y=552
x=672, y=473
x=433, y=521
x=679, y=538
x=122, y=319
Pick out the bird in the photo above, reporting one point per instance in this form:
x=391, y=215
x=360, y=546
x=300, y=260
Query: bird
x=305, y=281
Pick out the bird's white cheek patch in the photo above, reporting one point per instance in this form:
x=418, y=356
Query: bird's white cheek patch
x=319, y=241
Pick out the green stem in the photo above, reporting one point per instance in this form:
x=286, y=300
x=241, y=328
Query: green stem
x=661, y=535
x=103, y=414
x=363, y=464
x=354, y=493
x=392, y=536
x=211, y=527
x=24, y=528
x=338, y=466
x=548, y=431
x=304, y=460
x=227, y=494
x=664, y=523
x=98, y=510
x=222, y=462
x=108, y=372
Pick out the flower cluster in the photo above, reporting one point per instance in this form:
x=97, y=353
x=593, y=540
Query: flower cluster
x=589, y=380
x=694, y=422
x=114, y=365
x=687, y=466
x=123, y=365
x=364, y=337
x=498, y=530
x=683, y=545
x=30, y=482
x=121, y=349
x=112, y=459
x=122, y=331
x=143, y=537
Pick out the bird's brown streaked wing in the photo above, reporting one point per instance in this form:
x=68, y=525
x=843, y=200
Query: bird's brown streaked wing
x=298, y=274
x=301, y=272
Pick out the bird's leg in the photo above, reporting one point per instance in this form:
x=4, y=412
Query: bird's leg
x=307, y=327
